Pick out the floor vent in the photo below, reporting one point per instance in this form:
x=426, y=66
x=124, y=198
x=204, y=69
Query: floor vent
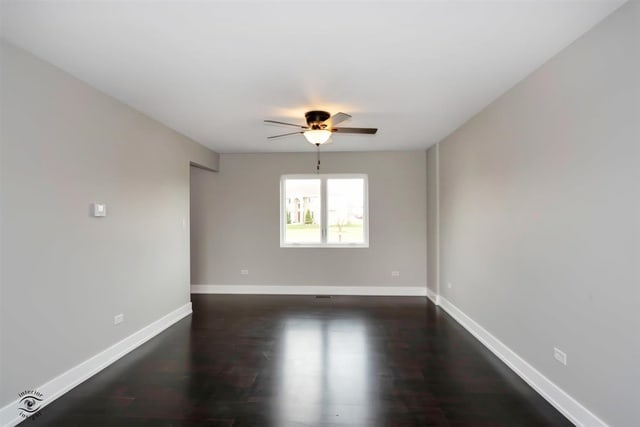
x=323, y=296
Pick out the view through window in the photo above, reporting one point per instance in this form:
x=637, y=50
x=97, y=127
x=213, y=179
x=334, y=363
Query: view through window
x=324, y=210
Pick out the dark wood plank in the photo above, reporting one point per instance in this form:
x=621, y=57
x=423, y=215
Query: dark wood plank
x=303, y=361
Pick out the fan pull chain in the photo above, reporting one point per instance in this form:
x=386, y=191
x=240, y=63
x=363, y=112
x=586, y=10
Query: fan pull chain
x=318, y=156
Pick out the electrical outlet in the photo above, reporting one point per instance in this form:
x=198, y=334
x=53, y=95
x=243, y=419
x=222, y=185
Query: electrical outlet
x=99, y=209
x=118, y=318
x=560, y=356
x=244, y=272
x=449, y=285
x=395, y=273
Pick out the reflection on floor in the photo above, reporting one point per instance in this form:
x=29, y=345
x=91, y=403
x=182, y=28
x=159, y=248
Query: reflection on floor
x=300, y=361
x=323, y=372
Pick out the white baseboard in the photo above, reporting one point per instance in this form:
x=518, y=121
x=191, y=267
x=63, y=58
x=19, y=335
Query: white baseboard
x=310, y=290
x=434, y=297
x=562, y=401
x=58, y=386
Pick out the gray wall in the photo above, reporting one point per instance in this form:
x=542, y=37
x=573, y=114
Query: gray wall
x=432, y=219
x=539, y=217
x=64, y=274
x=235, y=219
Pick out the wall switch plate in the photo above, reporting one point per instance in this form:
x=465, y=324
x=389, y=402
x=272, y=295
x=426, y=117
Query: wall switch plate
x=560, y=356
x=244, y=272
x=118, y=318
x=449, y=285
x=99, y=209
x=395, y=273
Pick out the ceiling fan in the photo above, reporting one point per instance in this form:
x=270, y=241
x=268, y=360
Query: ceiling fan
x=320, y=126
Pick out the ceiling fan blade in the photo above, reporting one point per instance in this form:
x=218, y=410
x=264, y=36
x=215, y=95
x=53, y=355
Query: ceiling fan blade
x=284, y=134
x=287, y=124
x=338, y=118
x=369, y=131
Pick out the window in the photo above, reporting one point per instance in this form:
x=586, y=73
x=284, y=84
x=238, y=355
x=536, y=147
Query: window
x=324, y=211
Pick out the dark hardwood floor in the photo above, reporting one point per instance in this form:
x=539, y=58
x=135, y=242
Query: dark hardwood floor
x=301, y=361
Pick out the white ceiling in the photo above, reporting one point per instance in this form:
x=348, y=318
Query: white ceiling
x=214, y=70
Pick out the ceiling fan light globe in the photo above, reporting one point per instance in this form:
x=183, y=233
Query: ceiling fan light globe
x=317, y=136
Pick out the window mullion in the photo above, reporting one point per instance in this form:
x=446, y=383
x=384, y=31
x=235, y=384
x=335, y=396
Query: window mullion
x=323, y=206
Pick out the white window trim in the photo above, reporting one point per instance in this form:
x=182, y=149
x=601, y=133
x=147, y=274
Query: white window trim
x=323, y=203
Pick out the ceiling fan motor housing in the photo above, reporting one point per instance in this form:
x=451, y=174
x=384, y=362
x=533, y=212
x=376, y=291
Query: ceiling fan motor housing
x=315, y=119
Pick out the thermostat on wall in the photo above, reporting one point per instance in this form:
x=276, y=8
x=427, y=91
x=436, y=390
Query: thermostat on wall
x=99, y=209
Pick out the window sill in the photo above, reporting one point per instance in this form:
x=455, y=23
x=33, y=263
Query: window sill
x=325, y=246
